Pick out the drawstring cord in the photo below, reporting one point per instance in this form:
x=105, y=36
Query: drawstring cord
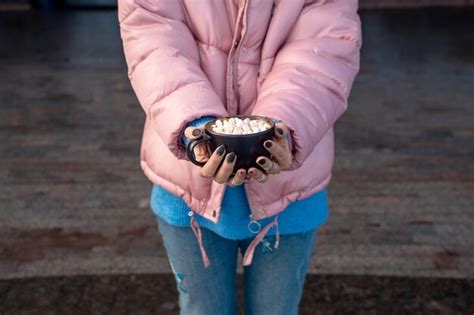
x=248, y=256
x=197, y=231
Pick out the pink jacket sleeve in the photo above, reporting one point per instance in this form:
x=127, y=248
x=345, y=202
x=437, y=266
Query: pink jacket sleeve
x=312, y=74
x=163, y=67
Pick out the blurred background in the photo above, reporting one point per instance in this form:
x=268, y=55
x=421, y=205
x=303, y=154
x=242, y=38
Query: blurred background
x=77, y=235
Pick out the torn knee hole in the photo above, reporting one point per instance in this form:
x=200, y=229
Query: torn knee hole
x=179, y=276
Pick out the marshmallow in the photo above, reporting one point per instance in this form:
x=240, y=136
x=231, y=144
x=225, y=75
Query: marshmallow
x=237, y=126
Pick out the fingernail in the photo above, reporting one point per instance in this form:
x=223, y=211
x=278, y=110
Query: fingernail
x=196, y=132
x=251, y=172
x=220, y=150
x=280, y=131
x=231, y=157
x=268, y=144
x=261, y=162
x=240, y=173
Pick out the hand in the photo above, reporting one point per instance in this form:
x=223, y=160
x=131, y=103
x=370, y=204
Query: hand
x=211, y=169
x=281, y=155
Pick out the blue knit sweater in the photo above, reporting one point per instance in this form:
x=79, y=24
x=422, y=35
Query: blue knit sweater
x=299, y=216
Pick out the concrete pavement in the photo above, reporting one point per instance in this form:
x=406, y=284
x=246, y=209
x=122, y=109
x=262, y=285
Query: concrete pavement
x=73, y=199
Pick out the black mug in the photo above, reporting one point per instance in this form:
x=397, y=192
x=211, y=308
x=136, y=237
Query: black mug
x=247, y=147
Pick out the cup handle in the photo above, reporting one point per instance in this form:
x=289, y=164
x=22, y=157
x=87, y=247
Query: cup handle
x=190, y=149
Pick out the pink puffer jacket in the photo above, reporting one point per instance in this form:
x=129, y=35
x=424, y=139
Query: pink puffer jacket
x=293, y=60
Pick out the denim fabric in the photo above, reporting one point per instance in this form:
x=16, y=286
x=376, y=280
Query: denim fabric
x=273, y=283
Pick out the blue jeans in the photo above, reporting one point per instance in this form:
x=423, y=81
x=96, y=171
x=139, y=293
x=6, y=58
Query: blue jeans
x=273, y=283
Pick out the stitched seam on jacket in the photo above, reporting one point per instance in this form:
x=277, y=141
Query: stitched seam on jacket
x=214, y=46
x=334, y=57
x=342, y=88
x=347, y=38
x=270, y=57
x=142, y=58
x=323, y=116
x=341, y=85
x=179, y=87
x=249, y=63
x=130, y=13
x=152, y=51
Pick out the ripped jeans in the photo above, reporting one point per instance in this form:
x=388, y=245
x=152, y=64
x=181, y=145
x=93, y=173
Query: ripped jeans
x=273, y=283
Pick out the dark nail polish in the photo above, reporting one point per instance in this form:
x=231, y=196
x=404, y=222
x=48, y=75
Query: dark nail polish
x=220, y=150
x=280, y=131
x=196, y=132
x=261, y=162
x=268, y=144
x=231, y=157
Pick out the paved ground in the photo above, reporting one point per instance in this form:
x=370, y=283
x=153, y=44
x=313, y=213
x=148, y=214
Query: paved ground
x=73, y=200
x=157, y=294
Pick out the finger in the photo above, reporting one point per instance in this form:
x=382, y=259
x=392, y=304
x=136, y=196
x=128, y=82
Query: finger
x=238, y=178
x=194, y=132
x=280, y=154
x=209, y=169
x=201, y=151
x=258, y=175
x=247, y=178
x=226, y=168
x=201, y=154
x=270, y=166
x=281, y=133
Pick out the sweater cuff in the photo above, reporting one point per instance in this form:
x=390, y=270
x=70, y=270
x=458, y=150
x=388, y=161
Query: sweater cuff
x=196, y=123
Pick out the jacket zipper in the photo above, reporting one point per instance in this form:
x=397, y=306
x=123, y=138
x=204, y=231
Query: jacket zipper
x=245, y=22
x=237, y=51
x=234, y=70
x=237, y=97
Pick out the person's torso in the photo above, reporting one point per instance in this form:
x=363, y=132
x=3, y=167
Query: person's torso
x=237, y=43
